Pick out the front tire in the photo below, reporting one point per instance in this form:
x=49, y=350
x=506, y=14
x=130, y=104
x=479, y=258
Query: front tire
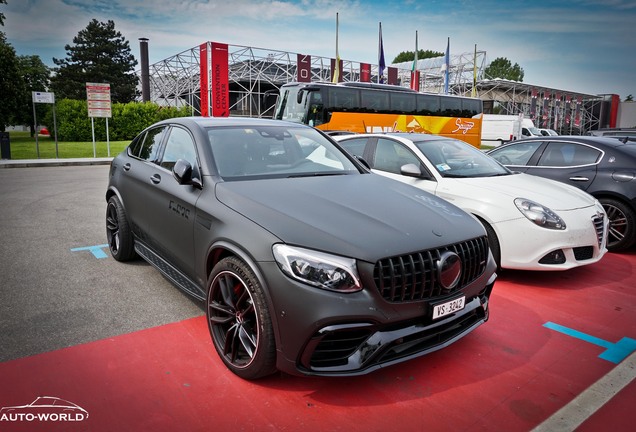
x=118, y=232
x=239, y=320
x=622, y=224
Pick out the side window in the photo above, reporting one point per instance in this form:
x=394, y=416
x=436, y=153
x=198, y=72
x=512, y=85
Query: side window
x=390, y=156
x=516, y=154
x=584, y=155
x=179, y=146
x=556, y=155
x=355, y=146
x=148, y=147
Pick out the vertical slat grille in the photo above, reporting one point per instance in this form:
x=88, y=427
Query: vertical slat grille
x=413, y=277
x=599, y=223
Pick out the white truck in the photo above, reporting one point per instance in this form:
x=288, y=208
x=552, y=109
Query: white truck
x=497, y=129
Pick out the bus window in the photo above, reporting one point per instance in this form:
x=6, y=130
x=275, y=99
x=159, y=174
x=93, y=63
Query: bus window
x=451, y=107
x=428, y=104
x=471, y=107
x=374, y=101
x=403, y=103
x=316, y=112
x=344, y=99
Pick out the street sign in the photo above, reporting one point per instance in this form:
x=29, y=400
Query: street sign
x=98, y=98
x=43, y=97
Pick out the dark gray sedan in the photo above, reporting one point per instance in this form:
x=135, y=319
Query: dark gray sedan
x=307, y=263
x=603, y=167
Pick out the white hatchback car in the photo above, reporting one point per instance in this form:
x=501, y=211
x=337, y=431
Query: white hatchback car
x=532, y=223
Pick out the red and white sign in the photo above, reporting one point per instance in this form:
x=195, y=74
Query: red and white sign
x=98, y=98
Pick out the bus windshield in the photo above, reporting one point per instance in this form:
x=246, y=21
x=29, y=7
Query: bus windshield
x=364, y=107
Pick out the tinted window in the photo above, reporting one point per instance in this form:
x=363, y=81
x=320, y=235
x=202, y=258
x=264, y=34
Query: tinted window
x=374, y=101
x=516, y=154
x=403, y=103
x=147, y=147
x=428, y=104
x=568, y=154
x=179, y=146
x=451, y=107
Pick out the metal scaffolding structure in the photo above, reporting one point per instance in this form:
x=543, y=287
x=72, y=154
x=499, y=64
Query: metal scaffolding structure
x=256, y=74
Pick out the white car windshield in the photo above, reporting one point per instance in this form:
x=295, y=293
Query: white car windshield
x=454, y=158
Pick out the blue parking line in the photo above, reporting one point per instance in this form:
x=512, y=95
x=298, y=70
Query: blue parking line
x=614, y=352
x=95, y=250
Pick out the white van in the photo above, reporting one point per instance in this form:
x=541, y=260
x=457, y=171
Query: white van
x=497, y=129
x=528, y=129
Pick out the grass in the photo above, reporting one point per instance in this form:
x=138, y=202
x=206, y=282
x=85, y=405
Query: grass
x=23, y=147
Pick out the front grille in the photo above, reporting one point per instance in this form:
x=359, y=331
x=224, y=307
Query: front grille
x=599, y=223
x=584, y=253
x=335, y=348
x=413, y=277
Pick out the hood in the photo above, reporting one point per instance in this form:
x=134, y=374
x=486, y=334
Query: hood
x=362, y=216
x=550, y=193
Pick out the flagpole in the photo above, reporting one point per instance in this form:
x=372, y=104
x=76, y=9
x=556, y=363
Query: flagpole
x=381, y=63
x=474, y=92
x=447, y=64
x=336, y=68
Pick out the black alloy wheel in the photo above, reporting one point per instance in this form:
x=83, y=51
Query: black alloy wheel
x=118, y=233
x=622, y=220
x=239, y=320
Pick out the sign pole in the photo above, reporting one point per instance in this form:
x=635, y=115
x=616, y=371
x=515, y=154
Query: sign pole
x=35, y=127
x=55, y=132
x=93, y=130
x=99, y=105
x=107, y=138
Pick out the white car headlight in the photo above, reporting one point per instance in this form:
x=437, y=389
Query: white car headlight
x=540, y=215
x=326, y=271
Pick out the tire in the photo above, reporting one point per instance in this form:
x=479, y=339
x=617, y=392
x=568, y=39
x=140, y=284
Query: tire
x=622, y=224
x=118, y=232
x=239, y=320
x=493, y=243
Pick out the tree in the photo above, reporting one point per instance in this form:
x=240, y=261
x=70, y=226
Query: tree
x=629, y=98
x=100, y=54
x=11, y=83
x=36, y=77
x=406, y=56
x=501, y=67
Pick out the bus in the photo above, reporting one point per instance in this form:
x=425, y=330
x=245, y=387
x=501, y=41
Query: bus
x=367, y=108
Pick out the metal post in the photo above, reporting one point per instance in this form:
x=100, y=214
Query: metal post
x=93, y=130
x=55, y=133
x=107, y=138
x=35, y=128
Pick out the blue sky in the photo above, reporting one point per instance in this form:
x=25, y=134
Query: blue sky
x=581, y=46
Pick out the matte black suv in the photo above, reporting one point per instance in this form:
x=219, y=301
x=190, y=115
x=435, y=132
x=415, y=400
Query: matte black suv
x=307, y=262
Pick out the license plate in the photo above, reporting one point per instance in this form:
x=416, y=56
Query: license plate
x=449, y=307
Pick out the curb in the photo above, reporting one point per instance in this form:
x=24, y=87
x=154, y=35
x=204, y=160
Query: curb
x=29, y=163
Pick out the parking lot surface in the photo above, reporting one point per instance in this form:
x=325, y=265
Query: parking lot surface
x=130, y=349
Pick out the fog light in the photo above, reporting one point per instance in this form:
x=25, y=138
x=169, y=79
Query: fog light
x=555, y=257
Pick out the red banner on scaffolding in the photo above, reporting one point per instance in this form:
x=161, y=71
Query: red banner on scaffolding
x=392, y=75
x=203, y=80
x=303, y=66
x=220, y=80
x=365, y=72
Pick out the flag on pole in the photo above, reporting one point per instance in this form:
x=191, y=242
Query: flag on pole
x=414, y=74
x=474, y=92
x=381, y=63
x=336, y=69
x=446, y=66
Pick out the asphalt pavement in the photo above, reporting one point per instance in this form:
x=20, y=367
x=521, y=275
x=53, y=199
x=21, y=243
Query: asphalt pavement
x=59, y=285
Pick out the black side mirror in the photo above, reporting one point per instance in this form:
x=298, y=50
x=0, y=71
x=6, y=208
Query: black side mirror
x=182, y=172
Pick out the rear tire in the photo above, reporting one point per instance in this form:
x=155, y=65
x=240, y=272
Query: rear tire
x=118, y=232
x=239, y=320
x=621, y=234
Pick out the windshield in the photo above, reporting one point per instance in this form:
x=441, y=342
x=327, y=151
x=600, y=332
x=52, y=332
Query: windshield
x=275, y=151
x=454, y=158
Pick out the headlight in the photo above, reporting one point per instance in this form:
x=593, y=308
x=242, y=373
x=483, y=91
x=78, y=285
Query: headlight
x=540, y=215
x=326, y=271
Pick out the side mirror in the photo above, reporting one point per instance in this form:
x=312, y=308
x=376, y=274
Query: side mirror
x=182, y=172
x=410, y=170
x=363, y=162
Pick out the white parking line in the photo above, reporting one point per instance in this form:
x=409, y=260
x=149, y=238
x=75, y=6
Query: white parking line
x=592, y=399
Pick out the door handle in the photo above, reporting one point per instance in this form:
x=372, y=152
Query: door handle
x=127, y=167
x=156, y=179
x=580, y=179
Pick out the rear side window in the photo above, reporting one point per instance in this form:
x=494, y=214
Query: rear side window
x=568, y=154
x=355, y=146
x=146, y=147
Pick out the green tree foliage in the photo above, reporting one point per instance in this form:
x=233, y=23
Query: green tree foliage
x=501, y=67
x=1, y=14
x=11, y=84
x=406, y=56
x=629, y=98
x=100, y=54
x=35, y=76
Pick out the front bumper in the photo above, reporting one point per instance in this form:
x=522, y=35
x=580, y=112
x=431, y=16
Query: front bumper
x=326, y=333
